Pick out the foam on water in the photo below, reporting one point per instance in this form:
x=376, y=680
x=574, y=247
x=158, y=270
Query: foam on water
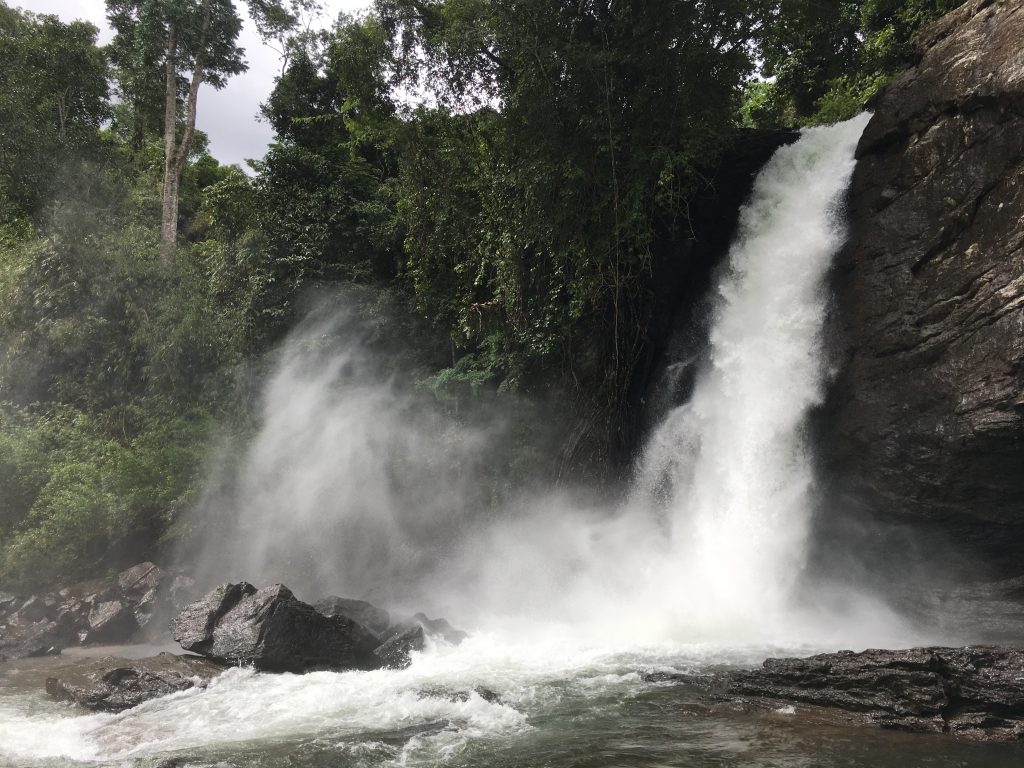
x=348, y=487
x=242, y=709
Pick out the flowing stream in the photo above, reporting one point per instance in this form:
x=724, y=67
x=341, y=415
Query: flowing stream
x=347, y=488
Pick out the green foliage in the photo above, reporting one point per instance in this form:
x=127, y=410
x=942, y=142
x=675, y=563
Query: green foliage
x=765, y=105
x=80, y=495
x=53, y=98
x=828, y=59
x=530, y=228
x=510, y=168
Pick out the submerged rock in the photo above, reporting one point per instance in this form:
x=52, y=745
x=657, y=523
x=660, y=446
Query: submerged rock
x=128, y=686
x=458, y=695
x=272, y=630
x=367, y=614
x=973, y=693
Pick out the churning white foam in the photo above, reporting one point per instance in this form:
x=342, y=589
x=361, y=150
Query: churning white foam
x=487, y=687
x=356, y=486
x=732, y=466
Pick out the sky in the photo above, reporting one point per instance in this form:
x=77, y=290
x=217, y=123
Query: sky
x=231, y=118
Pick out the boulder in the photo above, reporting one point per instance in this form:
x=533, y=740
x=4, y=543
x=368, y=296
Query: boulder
x=410, y=635
x=58, y=626
x=273, y=631
x=974, y=693
x=110, y=622
x=367, y=614
x=140, y=580
x=394, y=653
x=34, y=609
x=924, y=427
x=439, y=629
x=123, y=687
x=44, y=638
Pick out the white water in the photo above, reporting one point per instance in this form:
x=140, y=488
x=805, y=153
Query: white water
x=356, y=487
x=359, y=487
x=732, y=465
x=354, y=711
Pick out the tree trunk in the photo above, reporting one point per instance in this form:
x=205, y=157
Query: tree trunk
x=176, y=154
x=169, y=212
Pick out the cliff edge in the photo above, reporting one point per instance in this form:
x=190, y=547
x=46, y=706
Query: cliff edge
x=926, y=418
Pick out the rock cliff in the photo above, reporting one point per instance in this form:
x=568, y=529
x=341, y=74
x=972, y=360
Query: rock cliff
x=926, y=419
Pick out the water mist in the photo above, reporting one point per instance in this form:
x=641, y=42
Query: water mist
x=356, y=485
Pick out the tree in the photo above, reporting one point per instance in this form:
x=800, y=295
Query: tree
x=53, y=98
x=552, y=166
x=193, y=42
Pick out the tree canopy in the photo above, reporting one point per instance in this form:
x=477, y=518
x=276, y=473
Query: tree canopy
x=513, y=171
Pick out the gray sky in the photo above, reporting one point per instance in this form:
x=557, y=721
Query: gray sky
x=229, y=118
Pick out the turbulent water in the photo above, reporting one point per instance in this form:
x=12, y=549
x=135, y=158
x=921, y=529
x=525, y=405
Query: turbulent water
x=554, y=706
x=355, y=486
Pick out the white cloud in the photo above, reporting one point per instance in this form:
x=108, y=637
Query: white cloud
x=230, y=117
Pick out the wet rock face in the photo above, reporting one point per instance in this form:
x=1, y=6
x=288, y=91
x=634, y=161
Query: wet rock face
x=973, y=693
x=926, y=421
x=273, y=631
x=367, y=614
x=123, y=687
x=110, y=622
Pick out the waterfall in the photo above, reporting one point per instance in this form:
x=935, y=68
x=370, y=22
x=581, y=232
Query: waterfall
x=731, y=467
x=356, y=486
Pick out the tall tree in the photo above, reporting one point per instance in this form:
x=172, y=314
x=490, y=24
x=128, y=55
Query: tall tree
x=53, y=98
x=193, y=42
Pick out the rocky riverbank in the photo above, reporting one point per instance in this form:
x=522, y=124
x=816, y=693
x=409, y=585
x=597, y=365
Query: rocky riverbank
x=134, y=607
x=267, y=629
x=971, y=693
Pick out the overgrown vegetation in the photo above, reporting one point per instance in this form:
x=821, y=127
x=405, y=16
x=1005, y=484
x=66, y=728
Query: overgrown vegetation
x=510, y=168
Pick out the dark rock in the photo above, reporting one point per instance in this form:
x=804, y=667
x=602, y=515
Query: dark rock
x=438, y=629
x=973, y=693
x=43, y=638
x=992, y=610
x=394, y=653
x=124, y=687
x=272, y=630
x=140, y=580
x=146, y=588
x=925, y=425
x=367, y=614
x=110, y=622
x=449, y=694
x=32, y=610
x=172, y=762
x=410, y=635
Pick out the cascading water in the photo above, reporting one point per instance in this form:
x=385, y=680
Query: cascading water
x=349, y=487
x=356, y=486
x=732, y=465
